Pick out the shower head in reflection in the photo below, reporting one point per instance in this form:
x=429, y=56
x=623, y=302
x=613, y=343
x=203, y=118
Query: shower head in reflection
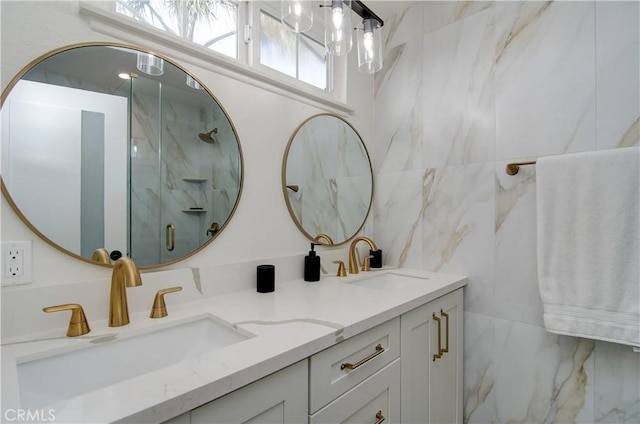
x=207, y=137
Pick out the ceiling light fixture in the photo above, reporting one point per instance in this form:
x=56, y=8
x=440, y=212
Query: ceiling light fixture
x=297, y=16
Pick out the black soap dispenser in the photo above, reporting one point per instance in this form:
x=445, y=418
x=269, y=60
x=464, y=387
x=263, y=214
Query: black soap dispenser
x=312, y=265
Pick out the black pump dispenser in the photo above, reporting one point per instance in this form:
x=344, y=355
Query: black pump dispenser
x=312, y=265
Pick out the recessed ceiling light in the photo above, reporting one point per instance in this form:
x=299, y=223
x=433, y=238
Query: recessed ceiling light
x=124, y=75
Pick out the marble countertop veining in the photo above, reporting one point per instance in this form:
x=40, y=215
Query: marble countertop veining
x=290, y=324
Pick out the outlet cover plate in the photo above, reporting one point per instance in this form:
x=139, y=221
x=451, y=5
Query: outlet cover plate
x=23, y=261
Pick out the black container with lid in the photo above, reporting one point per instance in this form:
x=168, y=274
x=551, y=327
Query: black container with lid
x=312, y=265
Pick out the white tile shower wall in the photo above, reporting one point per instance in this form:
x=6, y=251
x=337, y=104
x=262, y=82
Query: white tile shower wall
x=555, y=77
x=164, y=188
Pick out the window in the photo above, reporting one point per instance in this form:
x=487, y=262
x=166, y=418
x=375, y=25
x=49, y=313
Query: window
x=216, y=24
x=209, y=23
x=298, y=55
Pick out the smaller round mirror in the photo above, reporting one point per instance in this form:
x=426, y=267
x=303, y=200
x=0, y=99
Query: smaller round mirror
x=327, y=179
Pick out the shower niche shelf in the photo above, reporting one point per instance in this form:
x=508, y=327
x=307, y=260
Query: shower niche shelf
x=194, y=180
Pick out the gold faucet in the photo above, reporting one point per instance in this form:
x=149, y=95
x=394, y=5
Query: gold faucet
x=324, y=236
x=353, y=264
x=78, y=324
x=124, y=273
x=101, y=255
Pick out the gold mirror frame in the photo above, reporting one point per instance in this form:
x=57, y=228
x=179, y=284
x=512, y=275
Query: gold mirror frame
x=322, y=238
x=5, y=192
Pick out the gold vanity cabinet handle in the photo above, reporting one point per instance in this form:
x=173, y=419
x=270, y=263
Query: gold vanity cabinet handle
x=342, y=272
x=439, y=321
x=446, y=315
x=365, y=263
x=159, y=308
x=170, y=237
x=379, y=418
x=379, y=350
x=78, y=324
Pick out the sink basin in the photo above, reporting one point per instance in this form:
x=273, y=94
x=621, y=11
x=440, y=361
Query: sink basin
x=391, y=281
x=111, y=360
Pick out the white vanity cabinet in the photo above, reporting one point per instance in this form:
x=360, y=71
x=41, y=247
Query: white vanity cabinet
x=280, y=398
x=358, y=380
x=406, y=370
x=431, y=337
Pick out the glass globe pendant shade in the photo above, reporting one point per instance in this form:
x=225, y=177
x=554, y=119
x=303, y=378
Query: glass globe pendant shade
x=150, y=64
x=191, y=82
x=337, y=27
x=370, y=47
x=297, y=16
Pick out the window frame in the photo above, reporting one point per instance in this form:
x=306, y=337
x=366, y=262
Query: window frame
x=103, y=19
x=316, y=34
x=182, y=21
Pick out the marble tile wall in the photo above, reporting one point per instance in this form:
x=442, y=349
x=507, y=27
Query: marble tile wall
x=166, y=133
x=468, y=87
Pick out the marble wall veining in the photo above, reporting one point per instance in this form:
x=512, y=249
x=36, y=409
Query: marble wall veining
x=468, y=87
x=172, y=170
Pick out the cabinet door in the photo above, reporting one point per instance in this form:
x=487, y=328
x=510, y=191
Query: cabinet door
x=375, y=400
x=431, y=389
x=279, y=398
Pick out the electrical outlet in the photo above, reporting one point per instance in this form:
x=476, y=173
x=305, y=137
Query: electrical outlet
x=16, y=262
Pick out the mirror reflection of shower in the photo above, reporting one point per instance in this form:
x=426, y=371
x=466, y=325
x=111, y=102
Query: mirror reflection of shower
x=207, y=137
x=173, y=178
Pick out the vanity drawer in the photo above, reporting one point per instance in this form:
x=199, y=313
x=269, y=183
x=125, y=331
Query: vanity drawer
x=375, y=400
x=329, y=377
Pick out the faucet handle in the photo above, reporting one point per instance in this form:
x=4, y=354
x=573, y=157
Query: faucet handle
x=365, y=263
x=78, y=324
x=159, y=308
x=341, y=271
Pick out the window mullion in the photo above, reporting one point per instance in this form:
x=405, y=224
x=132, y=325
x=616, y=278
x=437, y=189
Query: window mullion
x=298, y=38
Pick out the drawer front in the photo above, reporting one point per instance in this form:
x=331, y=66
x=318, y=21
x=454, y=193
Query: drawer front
x=343, y=366
x=375, y=400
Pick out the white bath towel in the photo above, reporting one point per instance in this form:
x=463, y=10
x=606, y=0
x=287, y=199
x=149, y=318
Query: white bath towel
x=588, y=254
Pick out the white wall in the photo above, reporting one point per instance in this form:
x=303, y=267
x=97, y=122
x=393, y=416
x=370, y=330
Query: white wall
x=264, y=120
x=41, y=161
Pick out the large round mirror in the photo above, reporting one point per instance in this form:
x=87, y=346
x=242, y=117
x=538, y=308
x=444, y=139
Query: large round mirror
x=327, y=179
x=111, y=147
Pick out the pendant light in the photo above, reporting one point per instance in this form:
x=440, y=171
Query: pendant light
x=297, y=16
x=337, y=27
x=191, y=82
x=369, y=46
x=150, y=64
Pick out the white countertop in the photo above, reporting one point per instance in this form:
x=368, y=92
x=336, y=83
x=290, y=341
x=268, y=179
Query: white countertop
x=290, y=324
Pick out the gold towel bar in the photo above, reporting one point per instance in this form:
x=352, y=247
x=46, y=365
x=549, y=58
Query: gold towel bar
x=513, y=168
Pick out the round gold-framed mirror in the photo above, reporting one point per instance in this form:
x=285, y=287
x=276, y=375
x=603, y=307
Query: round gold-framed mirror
x=327, y=179
x=111, y=146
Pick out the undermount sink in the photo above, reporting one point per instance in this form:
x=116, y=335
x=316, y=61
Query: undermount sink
x=112, y=359
x=391, y=280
